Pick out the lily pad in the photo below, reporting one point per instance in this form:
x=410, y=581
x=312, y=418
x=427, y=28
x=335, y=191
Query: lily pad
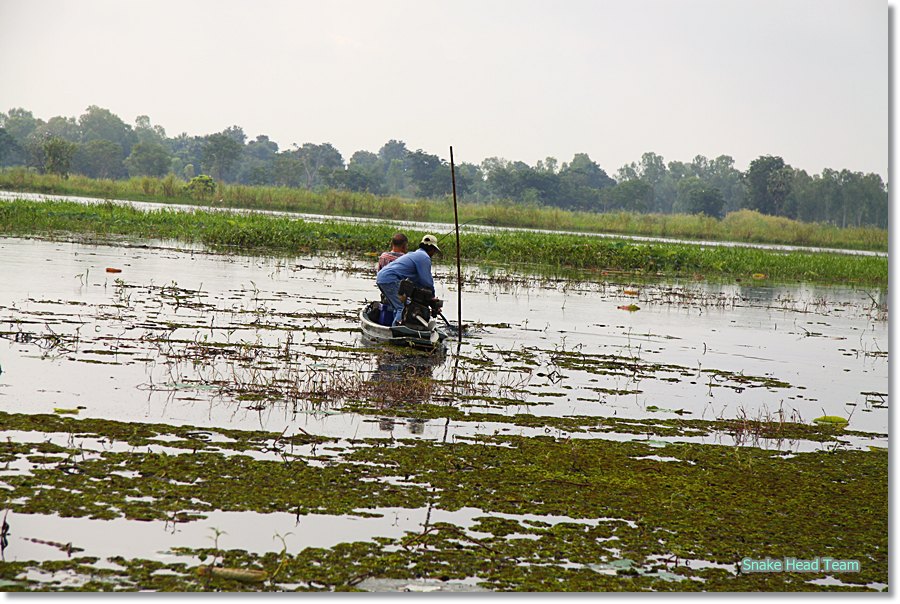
x=835, y=421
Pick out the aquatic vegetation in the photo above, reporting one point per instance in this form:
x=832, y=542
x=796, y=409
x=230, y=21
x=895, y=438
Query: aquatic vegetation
x=259, y=232
x=613, y=453
x=710, y=503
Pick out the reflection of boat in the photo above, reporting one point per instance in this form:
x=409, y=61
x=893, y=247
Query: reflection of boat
x=427, y=338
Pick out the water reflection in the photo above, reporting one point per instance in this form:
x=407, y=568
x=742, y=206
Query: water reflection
x=404, y=379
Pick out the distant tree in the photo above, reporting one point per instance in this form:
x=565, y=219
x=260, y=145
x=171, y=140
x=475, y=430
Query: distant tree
x=58, y=153
x=631, y=195
x=768, y=184
x=148, y=159
x=236, y=133
x=364, y=159
x=470, y=183
x=99, y=159
x=391, y=151
x=396, y=178
x=101, y=124
x=148, y=133
x=220, y=152
x=262, y=148
x=363, y=173
x=11, y=152
x=721, y=174
x=549, y=164
x=317, y=162
x=19, y=124
x=65, y=128
x=582, y=170
x=695, y=197
x=189, y=149
x=429, y=174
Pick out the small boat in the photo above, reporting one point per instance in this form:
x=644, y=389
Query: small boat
x=427, y=338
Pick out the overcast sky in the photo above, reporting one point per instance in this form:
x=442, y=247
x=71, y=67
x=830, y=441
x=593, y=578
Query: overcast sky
x=519, y=79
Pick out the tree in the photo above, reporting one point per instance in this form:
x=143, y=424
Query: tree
x=102, y=124
x=19, y=124
x=11, y=152
x=148, y=159
x=631, y=195
x=582, y=170
x=392, y=150
x=363, y=173
x=317, y=162
x=99, y=159
x=59, y=127
x=695, y=197
x=429, y=174
x=58, y=154
x=219, y=154
x=768, y=184
x=147, y=133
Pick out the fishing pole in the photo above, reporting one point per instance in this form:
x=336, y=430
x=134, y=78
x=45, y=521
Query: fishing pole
x=458, y=265
x=450, y=232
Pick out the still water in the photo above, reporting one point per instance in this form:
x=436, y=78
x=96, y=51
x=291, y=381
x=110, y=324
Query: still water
x=180, y=336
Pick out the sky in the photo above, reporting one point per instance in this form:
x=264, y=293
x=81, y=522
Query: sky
x=518, y=79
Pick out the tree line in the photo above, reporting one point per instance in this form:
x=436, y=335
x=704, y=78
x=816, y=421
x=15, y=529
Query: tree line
x=99, y=144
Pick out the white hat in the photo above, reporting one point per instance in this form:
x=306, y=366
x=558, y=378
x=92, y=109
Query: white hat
x=431, y=240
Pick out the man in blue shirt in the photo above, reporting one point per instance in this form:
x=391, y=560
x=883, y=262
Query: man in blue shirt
x=415, y=266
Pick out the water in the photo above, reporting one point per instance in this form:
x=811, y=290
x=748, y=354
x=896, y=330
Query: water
x=181, y=337
x=826, y=345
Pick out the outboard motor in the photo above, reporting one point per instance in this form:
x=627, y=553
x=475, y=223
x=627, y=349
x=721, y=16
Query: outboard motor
x=420, y=306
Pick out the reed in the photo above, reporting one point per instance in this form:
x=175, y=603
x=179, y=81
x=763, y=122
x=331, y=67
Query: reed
x=284, y=235
x=741, y=226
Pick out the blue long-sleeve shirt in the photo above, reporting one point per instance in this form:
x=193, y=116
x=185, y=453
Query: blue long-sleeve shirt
x=415, y=266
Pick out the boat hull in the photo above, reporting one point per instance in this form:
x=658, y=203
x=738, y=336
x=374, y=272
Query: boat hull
x=398, y=335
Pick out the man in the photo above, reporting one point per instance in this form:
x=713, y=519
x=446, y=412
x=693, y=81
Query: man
x=415, y=266
x=399, y=246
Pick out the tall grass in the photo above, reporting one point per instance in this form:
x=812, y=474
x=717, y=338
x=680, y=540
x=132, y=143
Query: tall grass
x=260, y=232
x=742, y=226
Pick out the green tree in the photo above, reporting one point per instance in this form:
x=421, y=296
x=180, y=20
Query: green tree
x=101, y=124
x=583, y=171
x=11, y=152
x=148, y=159
x=696, y=197
x=396, y=179
x=59, y=127
x=148, y=133
x=317, y=162
x=19, y=124
x=58, y=153
x=220, y=152
x=99, y=159
x=391, y=151
x=631, y=195
x=429, y=174
x=768, y=184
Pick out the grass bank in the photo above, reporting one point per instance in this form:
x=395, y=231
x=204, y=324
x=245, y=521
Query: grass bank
x=264, y=233
x=743, y=226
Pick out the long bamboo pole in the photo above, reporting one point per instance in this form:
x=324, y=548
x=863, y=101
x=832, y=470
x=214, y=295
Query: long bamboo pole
x=458, y=264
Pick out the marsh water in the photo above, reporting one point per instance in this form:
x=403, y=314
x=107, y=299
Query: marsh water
x=182, y=336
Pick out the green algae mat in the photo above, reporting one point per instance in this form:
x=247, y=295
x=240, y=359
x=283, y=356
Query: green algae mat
x=545, y=513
